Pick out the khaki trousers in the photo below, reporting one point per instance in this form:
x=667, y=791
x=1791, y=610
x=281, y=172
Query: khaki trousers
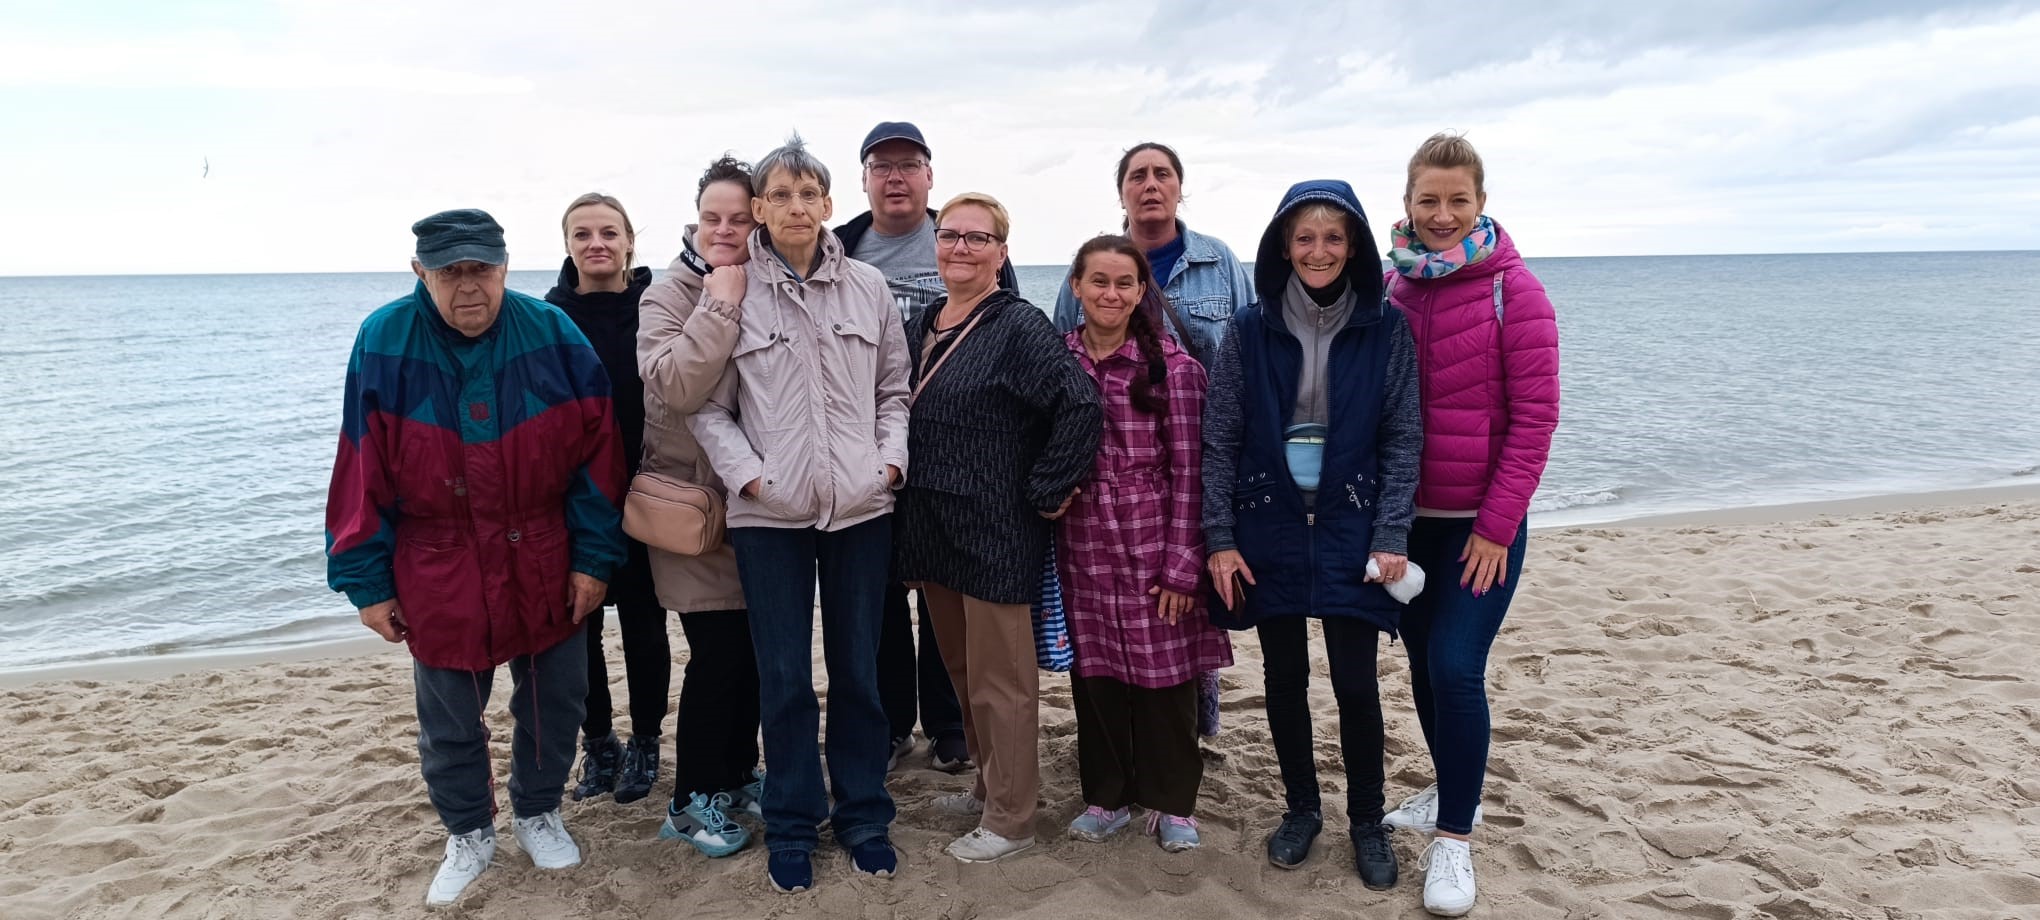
x=989, y=651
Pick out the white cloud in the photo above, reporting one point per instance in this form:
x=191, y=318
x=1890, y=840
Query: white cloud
x=331, y=126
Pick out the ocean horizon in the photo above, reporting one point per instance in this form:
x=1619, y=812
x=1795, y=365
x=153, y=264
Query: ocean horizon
x=165, y=440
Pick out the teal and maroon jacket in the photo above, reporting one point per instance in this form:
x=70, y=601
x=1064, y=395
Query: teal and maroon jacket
x=473, y=475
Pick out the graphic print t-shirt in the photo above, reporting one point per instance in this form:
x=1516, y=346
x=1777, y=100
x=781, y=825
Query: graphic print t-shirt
x=908, y=262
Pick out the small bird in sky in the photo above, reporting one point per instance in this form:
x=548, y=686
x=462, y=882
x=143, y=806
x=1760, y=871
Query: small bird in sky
x=207, y=171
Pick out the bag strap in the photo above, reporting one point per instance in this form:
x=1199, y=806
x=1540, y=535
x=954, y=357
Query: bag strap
x=1183, y=335
x=929, y=348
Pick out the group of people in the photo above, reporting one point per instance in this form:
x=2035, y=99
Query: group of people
x=1179, y=449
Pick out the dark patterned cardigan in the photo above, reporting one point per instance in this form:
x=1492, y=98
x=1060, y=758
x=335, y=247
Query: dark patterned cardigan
x=1001, y=434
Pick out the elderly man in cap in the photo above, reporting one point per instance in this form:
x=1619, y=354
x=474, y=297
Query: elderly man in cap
x=473, y=515
x=897, y=237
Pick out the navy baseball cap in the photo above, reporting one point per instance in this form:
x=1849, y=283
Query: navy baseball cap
x=462, y=235
x=894, y=131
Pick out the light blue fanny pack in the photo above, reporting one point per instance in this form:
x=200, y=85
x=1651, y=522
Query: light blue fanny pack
x=1304, y=447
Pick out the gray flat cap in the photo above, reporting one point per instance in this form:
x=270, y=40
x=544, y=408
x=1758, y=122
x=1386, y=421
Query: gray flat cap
x=461, y=235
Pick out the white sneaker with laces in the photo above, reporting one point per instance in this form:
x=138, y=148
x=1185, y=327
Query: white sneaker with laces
x=466, y=856
x=546, y=841
x=1420, y=812
x=1448, y=877
x=960, y=803
x=983, y=846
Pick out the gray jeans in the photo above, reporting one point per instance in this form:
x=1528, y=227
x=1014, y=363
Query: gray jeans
x=548, y=695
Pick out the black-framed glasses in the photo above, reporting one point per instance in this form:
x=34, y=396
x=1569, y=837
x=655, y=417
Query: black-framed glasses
x=907, y=169
x=974, y=241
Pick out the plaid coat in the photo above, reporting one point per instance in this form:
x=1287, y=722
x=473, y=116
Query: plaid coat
x=1136, y=525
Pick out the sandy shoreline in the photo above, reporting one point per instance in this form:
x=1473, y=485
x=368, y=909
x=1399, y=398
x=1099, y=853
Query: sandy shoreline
x=1814, y=712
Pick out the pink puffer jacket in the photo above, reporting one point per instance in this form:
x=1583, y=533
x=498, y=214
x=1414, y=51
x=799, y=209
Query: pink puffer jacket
x=1490, y=387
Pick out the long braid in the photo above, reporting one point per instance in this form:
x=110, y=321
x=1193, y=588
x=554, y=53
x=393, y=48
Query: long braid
x=1150, y=390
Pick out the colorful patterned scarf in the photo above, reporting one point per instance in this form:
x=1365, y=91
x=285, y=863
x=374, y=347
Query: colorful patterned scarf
x=1415, y=260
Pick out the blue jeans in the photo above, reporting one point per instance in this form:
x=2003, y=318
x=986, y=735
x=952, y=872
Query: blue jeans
x=547, y=694
x=779, y=568
x=1447, y=633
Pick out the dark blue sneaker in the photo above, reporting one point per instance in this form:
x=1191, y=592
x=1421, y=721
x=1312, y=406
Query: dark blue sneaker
x=875, y=857
x=791, y=870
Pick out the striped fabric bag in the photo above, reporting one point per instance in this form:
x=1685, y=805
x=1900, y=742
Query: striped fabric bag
x=1052, y=650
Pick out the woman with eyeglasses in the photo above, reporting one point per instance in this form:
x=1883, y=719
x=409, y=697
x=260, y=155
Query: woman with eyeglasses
x=809, y=422
x=1004, y=427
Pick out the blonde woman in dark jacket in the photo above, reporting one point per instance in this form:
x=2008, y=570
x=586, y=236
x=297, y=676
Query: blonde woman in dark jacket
x=1004, y=427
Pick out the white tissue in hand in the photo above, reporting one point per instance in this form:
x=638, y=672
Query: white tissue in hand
x=1409, y=586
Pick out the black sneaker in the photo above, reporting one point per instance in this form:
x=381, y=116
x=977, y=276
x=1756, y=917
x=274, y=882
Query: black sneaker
x=640, y=769
x=951, y=754
x=1289, y=846
x=1374, y=857
x=598, y=767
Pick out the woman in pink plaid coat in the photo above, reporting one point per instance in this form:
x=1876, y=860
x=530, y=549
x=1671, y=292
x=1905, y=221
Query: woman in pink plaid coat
x=1132, y=557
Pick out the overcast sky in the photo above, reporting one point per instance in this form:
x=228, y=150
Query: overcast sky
x=1608, y=129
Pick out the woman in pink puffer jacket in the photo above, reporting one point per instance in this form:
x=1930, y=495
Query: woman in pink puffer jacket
x=1487, y=357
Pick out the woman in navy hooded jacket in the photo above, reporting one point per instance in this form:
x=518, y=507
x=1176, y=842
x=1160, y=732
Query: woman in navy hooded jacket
x=1312, y=436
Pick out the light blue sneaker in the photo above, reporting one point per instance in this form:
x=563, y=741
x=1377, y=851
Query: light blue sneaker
x=1175, y=833
x=704, y=824
x=750, y=797
x=1096, y=824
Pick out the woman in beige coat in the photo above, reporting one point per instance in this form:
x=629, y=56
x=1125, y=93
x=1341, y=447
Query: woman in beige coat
x=687, y=327
x=808, y=426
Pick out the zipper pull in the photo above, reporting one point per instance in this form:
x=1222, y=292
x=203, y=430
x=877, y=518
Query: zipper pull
x=460, y=486
x=1310, y=520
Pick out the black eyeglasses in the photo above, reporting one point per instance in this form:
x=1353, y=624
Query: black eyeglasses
x=974, y=241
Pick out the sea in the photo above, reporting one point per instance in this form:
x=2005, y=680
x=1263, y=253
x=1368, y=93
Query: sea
x=165, y=441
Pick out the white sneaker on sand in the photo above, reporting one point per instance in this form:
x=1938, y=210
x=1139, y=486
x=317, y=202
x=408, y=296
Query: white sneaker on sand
x=1448, y=877
x=466, y=856
x=983, y=846
x=960, y=803
x=545, y=840
x=1420, y=812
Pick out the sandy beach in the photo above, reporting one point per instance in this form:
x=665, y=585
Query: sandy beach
x=1825, y=711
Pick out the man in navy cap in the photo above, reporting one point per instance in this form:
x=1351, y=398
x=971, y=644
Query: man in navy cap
x=473, y=514
x=897, y=236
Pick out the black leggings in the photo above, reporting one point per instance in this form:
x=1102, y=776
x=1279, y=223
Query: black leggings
x=1350, y=646
x=716, y=740
x=647, y=653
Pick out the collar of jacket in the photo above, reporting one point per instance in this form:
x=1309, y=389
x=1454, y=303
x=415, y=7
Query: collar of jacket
x=1196, y=246
x=766, y=264
x=564, y=293
x=993, y=303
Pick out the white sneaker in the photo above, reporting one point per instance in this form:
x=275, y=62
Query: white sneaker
x=1448, y=877
x=960, y=803
x=466, y=856
x=545, y=840
x=983, y=846
x=1420, y=812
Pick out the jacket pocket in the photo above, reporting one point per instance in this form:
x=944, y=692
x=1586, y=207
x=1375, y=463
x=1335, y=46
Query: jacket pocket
x=786, y=488
x=1254, y=493
x=853, y=352
x=438, y=586
x=542, y=559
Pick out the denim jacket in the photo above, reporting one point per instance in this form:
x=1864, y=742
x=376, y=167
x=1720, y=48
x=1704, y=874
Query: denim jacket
x=1207, y=285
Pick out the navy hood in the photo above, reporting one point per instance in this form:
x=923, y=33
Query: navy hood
x=1363, y=270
